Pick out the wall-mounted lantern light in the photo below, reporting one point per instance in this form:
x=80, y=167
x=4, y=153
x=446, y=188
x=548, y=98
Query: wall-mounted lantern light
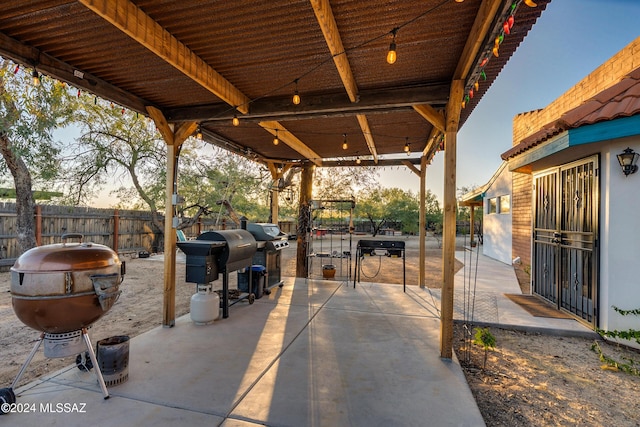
x=628, y=160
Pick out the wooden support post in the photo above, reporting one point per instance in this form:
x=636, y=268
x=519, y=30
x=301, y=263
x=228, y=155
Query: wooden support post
x=304, y=221
x=471, y=224
x=275, y=192
x=449, y=220
x=38, y=225
x=169, y=310
x=116, y=230
x=422, y=222
x=173, y=136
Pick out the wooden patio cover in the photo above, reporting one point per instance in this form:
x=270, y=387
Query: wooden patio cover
x=197, y=64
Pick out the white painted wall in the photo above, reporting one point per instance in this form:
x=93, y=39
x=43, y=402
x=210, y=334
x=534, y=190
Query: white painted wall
x=497, y=227
x=619, y=238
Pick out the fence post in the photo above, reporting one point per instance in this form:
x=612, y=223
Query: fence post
x=38, y=225
x=116, y=229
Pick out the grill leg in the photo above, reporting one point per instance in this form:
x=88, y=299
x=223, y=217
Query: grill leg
x=26, y=363
x=94, y=360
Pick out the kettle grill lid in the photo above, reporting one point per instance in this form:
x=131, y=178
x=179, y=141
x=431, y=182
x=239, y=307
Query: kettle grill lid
x=66, y=257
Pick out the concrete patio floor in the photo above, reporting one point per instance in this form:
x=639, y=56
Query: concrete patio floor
x=313, y=353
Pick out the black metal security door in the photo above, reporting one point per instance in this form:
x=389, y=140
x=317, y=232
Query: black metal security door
x=564, y=263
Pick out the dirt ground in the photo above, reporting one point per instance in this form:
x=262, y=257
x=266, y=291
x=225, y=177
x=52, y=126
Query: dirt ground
x=528, y=380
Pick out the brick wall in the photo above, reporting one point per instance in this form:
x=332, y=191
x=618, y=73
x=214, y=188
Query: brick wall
x=521, y=217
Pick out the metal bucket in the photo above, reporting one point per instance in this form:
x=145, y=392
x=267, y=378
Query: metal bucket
x=113, y=359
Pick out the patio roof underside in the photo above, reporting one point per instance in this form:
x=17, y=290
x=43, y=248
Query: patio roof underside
x=206, y=61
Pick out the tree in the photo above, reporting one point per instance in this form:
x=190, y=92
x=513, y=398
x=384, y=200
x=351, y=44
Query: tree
x=342, y=183
x=29, y=114
x=119, y=148
x=380, y=206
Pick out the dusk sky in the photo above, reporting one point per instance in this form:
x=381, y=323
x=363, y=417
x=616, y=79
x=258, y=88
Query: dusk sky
x=570, y=40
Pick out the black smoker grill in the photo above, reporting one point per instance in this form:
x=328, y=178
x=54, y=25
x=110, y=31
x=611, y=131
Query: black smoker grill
x=269, y=255
x=215, y=252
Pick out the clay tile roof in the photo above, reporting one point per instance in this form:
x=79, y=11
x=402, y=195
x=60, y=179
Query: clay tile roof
x=619, y=100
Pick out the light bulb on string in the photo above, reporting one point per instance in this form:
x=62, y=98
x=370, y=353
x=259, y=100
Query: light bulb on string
x=199, y=133
x=344, y=142
x=392, y=55
x=35, y=78
x=15, y=70
x=235, y=121
x=296, y=95
x=276, y=141
x=407, y=149
x=358, y=161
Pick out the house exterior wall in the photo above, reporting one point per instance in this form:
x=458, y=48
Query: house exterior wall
x=497, y=226
x=619, y=240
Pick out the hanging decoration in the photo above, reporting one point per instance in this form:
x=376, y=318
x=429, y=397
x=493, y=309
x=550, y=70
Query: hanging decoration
x=502, y=28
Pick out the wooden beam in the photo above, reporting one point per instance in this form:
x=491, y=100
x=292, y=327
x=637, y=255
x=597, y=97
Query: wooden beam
x=53, y=67
x=368, y=136
x=184, y=131
x=292, y=141
x=329, y=28
x=481, y=26
x=161, y=123
x=429, y=147
x=449, y=219
x=133, y=21
x=433, y=116
x=320, y=105
x=368, y=163
x=413, y=168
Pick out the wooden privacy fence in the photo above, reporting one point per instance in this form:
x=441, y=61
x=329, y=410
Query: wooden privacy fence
x=125, y=231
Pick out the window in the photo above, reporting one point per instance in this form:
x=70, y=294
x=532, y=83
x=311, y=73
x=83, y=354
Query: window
x=505, y=204
x=492, y=208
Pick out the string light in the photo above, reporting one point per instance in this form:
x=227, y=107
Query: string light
x=276, y=141
x=235, y=121
x=344, y=142
x=15, y=70
x=392, y=55
x=199, y=133
x=358, y=161
x=35, y=78
x=296, y=95
x=407, y=149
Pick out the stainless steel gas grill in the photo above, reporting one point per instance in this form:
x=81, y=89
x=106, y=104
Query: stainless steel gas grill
x=215, y=252
x=270, y=255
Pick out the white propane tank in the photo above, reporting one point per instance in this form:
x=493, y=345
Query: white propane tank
x=205, y=305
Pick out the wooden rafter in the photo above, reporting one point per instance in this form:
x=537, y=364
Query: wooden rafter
x=327, y=23
x=131, y=20
x=292, y=141
x=366, y=131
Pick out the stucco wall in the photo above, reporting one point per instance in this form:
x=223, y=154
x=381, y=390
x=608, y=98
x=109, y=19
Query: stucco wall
x=497, y=227
x=620, y=239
